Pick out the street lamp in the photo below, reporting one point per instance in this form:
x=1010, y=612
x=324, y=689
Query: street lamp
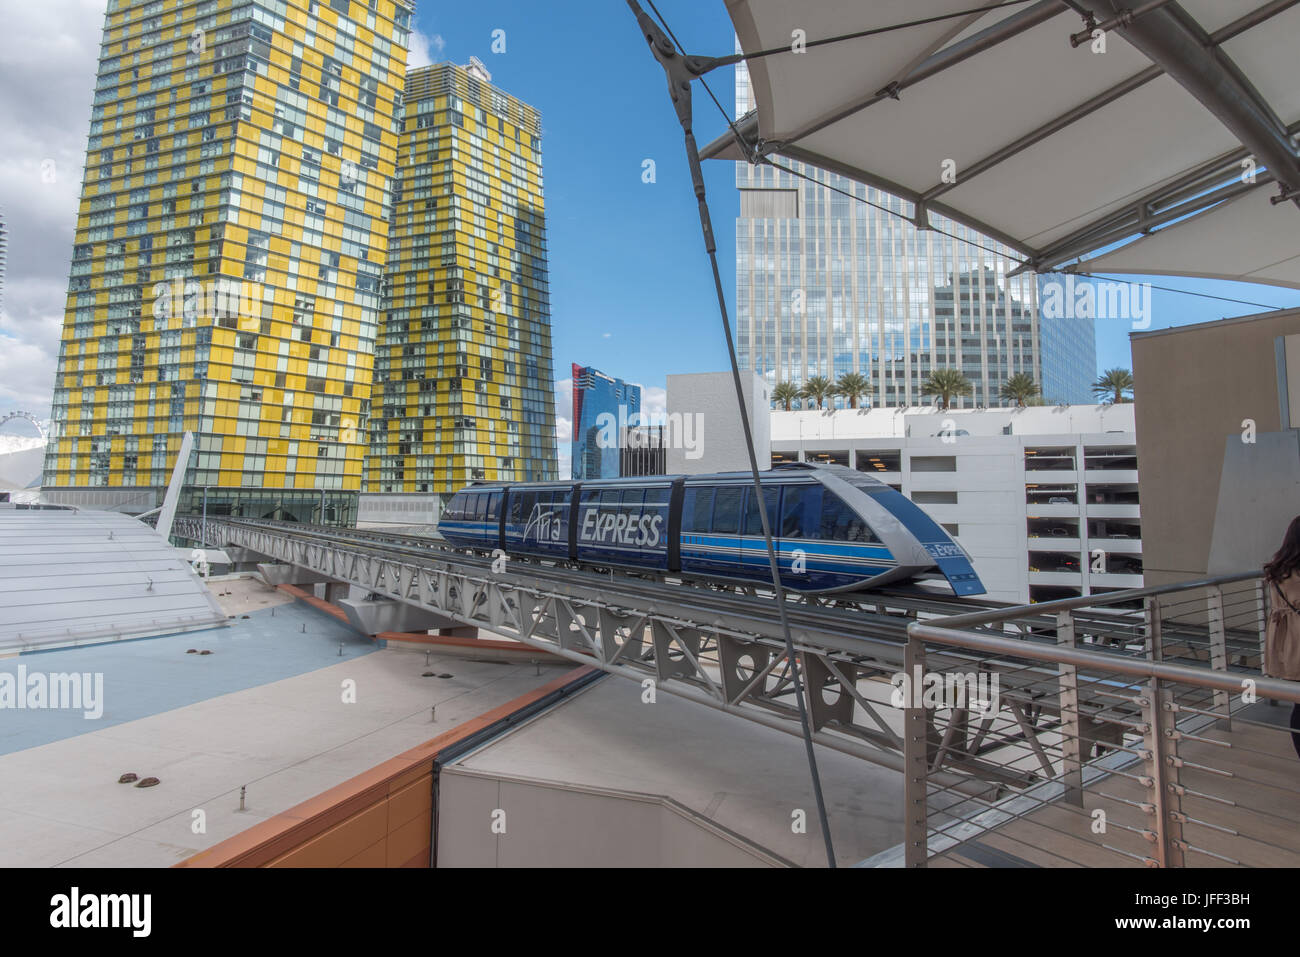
x=205, y=515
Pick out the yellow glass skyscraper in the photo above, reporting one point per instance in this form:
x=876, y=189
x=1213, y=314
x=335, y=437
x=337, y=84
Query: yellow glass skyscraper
x=229, y=255
x=463, y=374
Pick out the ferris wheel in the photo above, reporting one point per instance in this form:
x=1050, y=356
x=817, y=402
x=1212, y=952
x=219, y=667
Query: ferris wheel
x=4, y=419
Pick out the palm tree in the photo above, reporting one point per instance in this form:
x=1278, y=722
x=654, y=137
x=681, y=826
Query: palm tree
x=853, y=386
x=946, y=384
x=1112, y=384
x=1020, y=387
x=817, y=388
x=785, y=393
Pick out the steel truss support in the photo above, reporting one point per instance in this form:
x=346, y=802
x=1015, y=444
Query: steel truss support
x=717, y=657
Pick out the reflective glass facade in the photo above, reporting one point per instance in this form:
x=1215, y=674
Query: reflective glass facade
x=229, y=252
x=832, y=277
x=463, y=373
x=1069, y=349
x=603, y=410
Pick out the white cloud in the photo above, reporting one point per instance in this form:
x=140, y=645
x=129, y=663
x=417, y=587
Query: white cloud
x=48, y=58
x=564, y=426
x=654, y=401
x=564, y=399
x=425, y=49
x=26, y=377
x=564, y=446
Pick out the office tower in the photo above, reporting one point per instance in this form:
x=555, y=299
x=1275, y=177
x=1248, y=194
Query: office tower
x=832, y=277
x=230, y=246
x=1069, y=341
x=603, y=410
x=464, y=382
x=642, y=451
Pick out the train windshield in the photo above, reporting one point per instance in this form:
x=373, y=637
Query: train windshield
x=455, y=510
x=841, y=523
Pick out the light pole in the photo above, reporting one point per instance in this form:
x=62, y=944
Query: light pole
x=205, y=515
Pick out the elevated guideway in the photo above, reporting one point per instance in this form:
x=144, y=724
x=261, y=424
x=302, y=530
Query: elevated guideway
x=720, y=648
x=724, y=647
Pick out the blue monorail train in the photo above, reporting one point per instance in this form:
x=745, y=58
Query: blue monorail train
x=835, y=529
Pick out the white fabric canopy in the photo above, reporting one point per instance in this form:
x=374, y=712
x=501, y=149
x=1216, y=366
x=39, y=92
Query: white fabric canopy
x=1057, y=151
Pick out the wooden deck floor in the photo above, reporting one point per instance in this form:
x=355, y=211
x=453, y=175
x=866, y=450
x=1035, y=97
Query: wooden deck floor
x=1242, y=802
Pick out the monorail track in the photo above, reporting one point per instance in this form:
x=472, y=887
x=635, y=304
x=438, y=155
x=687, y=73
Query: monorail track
x=717, y=646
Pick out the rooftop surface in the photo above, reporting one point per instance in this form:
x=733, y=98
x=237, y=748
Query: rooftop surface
x=743, y=776
x=70, y=576
x=265, y=710
x=927, y=421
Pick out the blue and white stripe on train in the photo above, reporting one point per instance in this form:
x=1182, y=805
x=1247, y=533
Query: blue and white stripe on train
x=835, y=529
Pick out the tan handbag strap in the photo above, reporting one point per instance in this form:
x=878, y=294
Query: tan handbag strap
x=1282, y=595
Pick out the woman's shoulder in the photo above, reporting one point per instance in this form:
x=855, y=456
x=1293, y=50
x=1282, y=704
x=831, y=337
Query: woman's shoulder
x=1289, y=583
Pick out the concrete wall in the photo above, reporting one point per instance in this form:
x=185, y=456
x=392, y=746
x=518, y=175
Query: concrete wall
x=1195, y=387
x=21, y=468
x=1259, y=495
x=391, y=509
x=544, y=824
x=132, y=500
x=706, y=405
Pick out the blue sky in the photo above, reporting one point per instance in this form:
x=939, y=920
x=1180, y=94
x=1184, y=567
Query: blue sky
x=631, y=290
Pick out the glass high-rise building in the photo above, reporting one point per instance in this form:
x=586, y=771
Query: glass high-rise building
x=464, y=385
x=229, y=253
x=832, y=278
x=604, y=410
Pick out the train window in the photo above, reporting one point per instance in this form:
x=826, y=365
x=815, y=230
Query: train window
x=841, y=523
x=798, y=510
x=480, y=508
x=696, y=509
x=516, y=508
x=494, y=506
x=658, y=496
x=455, y=508
x=726, y=510
x=753, y=521
x=633, y=499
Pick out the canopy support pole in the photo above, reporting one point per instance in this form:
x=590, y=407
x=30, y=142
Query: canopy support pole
x=681, y=71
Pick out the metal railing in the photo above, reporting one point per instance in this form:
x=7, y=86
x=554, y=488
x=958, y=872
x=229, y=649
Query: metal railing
x=1133, y=728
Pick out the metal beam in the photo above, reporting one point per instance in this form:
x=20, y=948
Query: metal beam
x=1091, y=105
x=715, y=647
x=168, y=512
x=1186, y=52
x=1189, y=194
x=1014, y=25
x=1171, y=39
x=937, y=62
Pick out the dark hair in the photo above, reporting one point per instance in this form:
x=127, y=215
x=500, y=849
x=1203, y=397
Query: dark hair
x=1287, y=558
